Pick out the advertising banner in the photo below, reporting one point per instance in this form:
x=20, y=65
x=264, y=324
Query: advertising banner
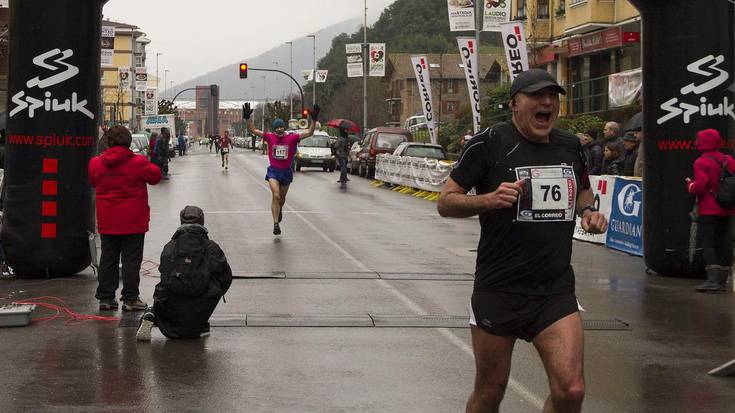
x=461, y=15
x=141, y=79
x=420, y=173
x=108, y=45
x=421, y=69
x=602, y=187
x=151, y=102
x=158, y=122
x=468, y=53
x=123, y=75
x=625, y=230
x=377, y=59
x=355, y=64
x=321, y=76
x=624, y=88
x=308, y=75
x=496, y=12
x=514, y=41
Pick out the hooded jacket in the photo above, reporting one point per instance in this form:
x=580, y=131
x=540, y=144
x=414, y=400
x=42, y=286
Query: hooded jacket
x=707, y=172
x=120, y=178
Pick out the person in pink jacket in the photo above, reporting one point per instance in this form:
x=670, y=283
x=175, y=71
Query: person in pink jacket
x=714, y=221
x=120, y=179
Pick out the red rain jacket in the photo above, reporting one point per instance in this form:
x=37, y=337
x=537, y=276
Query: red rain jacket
x=707, y=172
x=120, y=178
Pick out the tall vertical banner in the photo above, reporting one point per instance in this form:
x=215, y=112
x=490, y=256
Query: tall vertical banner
x=496, y=13
x=123, y=76
x=421, y=69
x=461, y=15
x=514, y=41
x=355, y=63
x=53, y=111
x=321, y=76
x=108, y=46
x=141, y=79
x=468, y=52
x=377, y=60
x=151, y=102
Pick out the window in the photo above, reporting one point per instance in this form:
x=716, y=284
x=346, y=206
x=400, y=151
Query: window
x=138, y=61
x=542, y=9
x=521, y=10
x=451, y=106
x=451, y=86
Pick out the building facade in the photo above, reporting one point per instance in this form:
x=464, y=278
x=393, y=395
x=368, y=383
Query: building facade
x=448, y=84
x=583, y=43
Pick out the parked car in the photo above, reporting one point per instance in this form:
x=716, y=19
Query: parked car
x=139, y=145
x=422, y=150
x=315, y=151
x=376, y=141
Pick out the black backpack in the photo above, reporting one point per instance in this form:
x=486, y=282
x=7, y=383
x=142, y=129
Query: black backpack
x=725, y=195
x=186, y=271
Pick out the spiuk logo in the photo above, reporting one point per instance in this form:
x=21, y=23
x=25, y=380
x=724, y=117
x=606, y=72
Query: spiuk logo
x=708, y=67
x=55, y=61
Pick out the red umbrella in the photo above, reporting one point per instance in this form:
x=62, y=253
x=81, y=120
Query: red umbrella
x=345, y=124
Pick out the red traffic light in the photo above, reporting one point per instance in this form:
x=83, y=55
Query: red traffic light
x=243, y=70
x=305, y=113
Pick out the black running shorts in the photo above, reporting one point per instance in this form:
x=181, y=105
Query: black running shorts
x=518, y=315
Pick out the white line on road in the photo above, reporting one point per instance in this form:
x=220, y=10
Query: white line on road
x=513, y=384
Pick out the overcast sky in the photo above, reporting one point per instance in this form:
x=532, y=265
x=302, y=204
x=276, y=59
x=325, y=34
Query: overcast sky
x=197, y=39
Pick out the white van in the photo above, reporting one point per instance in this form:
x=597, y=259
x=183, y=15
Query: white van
x=415, y=123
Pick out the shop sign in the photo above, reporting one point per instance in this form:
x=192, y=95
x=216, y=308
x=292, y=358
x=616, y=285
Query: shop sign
x=605, y=39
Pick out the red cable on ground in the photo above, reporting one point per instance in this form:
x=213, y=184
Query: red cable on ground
x=62, y=311
x=148, y=269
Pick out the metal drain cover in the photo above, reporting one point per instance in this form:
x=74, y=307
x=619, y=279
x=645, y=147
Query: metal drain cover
x=308, y=320
x=333, y=275
x=426, y=276
x=228, y=320
x=605, y=325
x=274, y=274
x=426, y=321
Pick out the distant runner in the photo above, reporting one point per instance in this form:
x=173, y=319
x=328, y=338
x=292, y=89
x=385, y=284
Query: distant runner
x=225, y=145
x=281, y=151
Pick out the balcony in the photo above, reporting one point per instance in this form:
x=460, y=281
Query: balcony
x=584, y=16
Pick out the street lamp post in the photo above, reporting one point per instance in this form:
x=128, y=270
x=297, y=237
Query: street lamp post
x=313, y=98
x=165, y=75
x=265, y=95
x=157, y=54
x=277, y=95
x=365, y=69
x=290, y=89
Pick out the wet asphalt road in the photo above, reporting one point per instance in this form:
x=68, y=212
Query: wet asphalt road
x=352, y=252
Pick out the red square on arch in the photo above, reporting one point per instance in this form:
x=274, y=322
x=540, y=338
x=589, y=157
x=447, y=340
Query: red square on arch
x=50, y=188
x=48, y=208
x=48, y=230
x=50, y=166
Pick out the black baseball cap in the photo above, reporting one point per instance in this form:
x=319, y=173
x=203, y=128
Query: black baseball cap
x=533, y=80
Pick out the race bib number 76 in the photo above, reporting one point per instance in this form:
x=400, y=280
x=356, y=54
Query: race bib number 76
x=549, y=193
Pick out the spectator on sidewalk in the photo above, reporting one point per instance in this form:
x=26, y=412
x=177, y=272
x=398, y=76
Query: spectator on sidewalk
x=613, y=163
x=152, y=148
x=596, y=153
x=195, y=275
x=120, y=179
x=181, y=141
x=714, y=221
x=162, y=151
x=630, y=144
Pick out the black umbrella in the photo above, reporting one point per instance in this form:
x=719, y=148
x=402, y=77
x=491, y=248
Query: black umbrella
x=635, y=123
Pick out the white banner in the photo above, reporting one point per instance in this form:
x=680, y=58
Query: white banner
x=151, y=102
x=355, y=65
x=353, y=48
x=496, y=13
x=123, y=75
x=468, y=52
x=624, y=88
x=377, y=59
x=158, y=122
x=141, y=79
x=420, y=173
x=421, y=69
x=308, y=75
x=321, y=76
x=108, y=46
x=461, y=15
x=602, y=188
x=354, y=70
x=514, y=40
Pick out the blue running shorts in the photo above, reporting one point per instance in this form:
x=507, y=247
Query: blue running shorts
x=283, y=176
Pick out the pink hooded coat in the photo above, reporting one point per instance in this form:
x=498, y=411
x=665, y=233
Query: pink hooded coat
x=707, y=172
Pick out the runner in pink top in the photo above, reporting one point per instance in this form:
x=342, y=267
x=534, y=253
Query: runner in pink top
x=225, y=145
x=281, y=151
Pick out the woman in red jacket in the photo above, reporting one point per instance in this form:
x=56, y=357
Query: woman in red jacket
x=120, y=178
x=714, y=221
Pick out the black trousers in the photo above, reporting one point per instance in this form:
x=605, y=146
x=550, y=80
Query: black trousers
x=116, y=249
x=714, y=234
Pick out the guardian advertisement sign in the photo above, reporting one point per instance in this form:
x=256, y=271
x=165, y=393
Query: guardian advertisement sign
x=625, y=229
x=421, y=69
x=468, y=53
x=514, y=41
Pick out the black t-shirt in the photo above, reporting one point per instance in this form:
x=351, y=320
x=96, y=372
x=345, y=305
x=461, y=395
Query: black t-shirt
x=531, y=258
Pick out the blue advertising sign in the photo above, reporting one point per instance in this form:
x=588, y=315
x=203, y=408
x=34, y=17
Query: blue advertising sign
x=625, y=229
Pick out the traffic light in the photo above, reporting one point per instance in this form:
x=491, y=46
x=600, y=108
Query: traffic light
x=243, y=70
x=213, y=89
x=305, y=114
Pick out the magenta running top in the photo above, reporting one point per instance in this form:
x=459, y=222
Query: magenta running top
x=281, y=149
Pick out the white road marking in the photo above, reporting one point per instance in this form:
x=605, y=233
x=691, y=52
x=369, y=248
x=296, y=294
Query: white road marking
x=513, y=384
